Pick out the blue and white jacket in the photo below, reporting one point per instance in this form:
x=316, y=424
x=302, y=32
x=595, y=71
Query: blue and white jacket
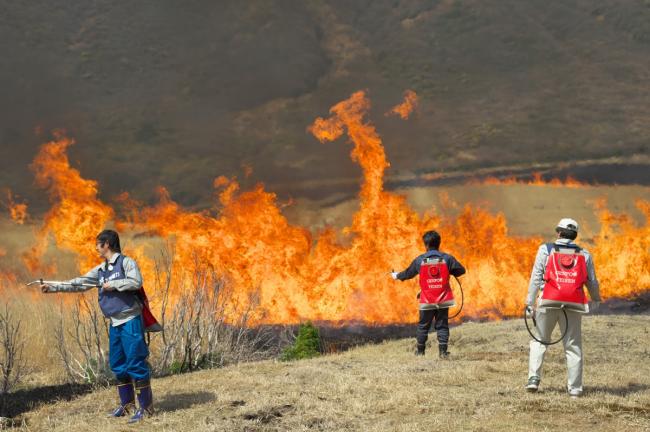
x=120, y=304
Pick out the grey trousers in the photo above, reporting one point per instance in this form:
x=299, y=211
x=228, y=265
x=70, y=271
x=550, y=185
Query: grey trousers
x=546, y=321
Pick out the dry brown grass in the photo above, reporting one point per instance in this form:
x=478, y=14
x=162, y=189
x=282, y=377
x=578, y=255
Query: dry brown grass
x=379, y=387
x=386, y=388
x=38, y=317
x=529, y=210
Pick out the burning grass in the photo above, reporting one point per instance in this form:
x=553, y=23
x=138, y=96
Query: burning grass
x=63, y=339
x=537, y=180
x=385, y=387
x=281, y=273
x=296, y=275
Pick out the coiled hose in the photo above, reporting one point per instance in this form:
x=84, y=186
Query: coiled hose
x=566, y=327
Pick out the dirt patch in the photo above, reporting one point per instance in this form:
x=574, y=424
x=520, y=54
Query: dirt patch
x=268, y=415
x=641, y=411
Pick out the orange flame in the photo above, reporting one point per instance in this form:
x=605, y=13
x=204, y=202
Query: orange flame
x=296, y=275
x=17, y=211
x=407, y=107
x=537, y=180
x=76, y=215
x=621, y=252
x=7, y=278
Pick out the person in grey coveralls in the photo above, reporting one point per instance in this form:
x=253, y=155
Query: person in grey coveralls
x=548, y=318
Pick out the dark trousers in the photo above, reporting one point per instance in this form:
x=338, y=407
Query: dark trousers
x=439, y=318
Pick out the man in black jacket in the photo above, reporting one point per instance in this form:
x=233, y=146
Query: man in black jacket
x=432, y=311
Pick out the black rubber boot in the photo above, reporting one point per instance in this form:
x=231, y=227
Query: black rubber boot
x=442, y=351
x=420, y=350
x=127, y=398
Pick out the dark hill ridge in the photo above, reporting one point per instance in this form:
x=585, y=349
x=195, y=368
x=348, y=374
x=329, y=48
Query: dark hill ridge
x=176, y=93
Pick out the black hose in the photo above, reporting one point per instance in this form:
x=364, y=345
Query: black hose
x=462, y=299
x=566, y=328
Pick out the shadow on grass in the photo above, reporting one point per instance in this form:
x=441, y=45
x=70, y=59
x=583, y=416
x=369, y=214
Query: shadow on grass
x=612, y=390
x=619, y=390
x=337, y=337
x=180, y=401
x=21, y=401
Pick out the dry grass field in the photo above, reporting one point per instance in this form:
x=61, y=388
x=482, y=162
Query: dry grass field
x=385, y=387
x=529, y=210
x=375, y=387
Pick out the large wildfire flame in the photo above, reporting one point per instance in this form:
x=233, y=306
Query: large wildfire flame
x=331, y=276
x=76, y=212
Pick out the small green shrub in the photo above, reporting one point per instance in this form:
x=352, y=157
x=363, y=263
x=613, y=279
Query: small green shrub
x=306, y=345
x=97, y=372
x=177, y=367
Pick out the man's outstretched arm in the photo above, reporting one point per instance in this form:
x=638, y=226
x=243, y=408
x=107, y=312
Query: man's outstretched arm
x=78, y=284
x=410, y=272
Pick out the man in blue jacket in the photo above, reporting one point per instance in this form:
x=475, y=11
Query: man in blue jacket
x=430, y=312
x=118, y=279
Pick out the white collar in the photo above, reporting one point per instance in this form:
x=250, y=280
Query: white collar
x=114, y=257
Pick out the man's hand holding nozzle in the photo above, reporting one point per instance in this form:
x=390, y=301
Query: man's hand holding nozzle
x=530, y=311
x=46, y=289
x=393, y=274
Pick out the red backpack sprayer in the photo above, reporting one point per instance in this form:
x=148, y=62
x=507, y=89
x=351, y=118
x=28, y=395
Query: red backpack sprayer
x=435, y=287
x=565, y=276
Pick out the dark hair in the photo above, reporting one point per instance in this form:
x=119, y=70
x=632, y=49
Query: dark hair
x=566, y=233
x=112, y=238
x=431, y=240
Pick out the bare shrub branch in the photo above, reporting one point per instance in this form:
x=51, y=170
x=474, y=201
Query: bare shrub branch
x=204, y=326
x=81, y=347
x=12, y=363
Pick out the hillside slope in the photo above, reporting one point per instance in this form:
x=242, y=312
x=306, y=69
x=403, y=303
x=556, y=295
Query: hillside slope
x=177, y=94
x=386, y=388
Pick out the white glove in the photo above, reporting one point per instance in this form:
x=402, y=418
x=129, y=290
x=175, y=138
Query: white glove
x=393, y=274
x=594, y=306
x=530, y=311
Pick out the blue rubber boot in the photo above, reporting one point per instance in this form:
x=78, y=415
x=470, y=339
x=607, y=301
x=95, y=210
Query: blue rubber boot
x=127, y=398
x=145, y=400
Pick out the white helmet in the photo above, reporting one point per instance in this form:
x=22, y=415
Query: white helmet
x=568, y=224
